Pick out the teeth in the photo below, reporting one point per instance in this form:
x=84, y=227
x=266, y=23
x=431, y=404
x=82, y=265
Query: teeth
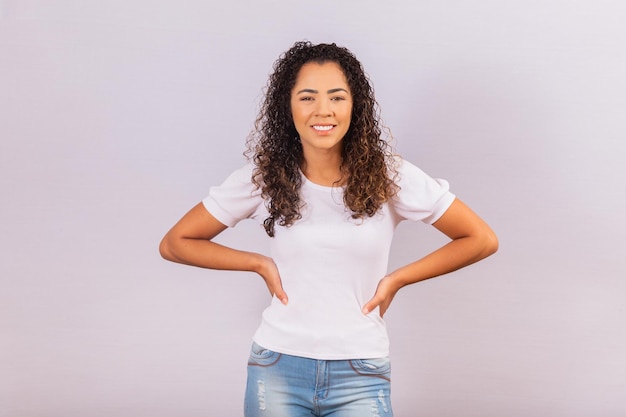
x=322, y=127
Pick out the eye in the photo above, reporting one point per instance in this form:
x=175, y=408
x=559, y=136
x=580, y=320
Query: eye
x=306, y=98
x=338, y=98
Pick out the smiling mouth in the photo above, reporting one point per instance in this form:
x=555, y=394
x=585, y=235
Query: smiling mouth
x=324, y=128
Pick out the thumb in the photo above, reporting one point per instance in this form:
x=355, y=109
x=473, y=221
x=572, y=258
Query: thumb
x=370, y=305
x=281, y=294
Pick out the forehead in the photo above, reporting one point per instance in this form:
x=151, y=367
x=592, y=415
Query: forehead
x=326, y=73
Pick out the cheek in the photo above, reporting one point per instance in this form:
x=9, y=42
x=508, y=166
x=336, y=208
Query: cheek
x=299, y=115
x=299, y=122
x=350, y=110
x=349, y=114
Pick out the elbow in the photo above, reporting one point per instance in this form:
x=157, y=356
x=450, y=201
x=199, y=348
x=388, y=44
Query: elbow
x=490, y=243
x=165, y=249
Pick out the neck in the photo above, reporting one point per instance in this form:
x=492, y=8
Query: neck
x=323, y=169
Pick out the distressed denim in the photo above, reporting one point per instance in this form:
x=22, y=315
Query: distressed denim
x=282, y=385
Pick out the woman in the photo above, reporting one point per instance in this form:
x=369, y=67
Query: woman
x=329, y=193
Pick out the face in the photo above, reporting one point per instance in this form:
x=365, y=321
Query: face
x=321, y=107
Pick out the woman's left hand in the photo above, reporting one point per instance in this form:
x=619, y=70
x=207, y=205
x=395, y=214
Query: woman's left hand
x=472, y=240
x=386, y=290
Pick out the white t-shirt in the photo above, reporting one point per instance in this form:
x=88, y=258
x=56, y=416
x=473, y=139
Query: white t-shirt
x=329, y=263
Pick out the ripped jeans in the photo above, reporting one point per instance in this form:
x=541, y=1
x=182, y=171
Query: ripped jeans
x=281, y=385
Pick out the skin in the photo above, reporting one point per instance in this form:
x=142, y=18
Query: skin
x=471, y=240
x=321, y=97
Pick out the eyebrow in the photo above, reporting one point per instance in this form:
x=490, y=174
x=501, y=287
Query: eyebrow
x=331, y=91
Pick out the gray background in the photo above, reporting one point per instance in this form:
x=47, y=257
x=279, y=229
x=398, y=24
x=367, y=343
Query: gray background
x=116, y=117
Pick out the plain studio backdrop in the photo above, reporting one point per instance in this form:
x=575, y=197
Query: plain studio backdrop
x=116, y=117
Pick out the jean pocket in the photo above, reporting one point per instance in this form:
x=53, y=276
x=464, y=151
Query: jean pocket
x=378, y=367
x=260, y=356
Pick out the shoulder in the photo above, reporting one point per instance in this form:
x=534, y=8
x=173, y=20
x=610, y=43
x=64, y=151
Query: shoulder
x=409, y=175
x=406, y=170
x=420, y=196
x=235, y=198
x=239, y=177
x=244, y=172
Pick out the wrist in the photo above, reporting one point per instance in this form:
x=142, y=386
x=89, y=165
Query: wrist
x=398, y=280
x=259, y=263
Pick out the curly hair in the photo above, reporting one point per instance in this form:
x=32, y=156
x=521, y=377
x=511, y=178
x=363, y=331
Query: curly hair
x=277, y=154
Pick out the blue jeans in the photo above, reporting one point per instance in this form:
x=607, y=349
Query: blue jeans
x=282, y=385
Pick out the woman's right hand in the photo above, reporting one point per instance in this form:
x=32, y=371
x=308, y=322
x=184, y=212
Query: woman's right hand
x=269, y=272
x=190, y=242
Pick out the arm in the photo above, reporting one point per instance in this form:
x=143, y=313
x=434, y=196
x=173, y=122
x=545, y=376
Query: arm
x=472, y=240
x=190, y=242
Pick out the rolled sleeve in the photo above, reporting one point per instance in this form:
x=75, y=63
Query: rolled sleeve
x=235, y=199
x=421, y=197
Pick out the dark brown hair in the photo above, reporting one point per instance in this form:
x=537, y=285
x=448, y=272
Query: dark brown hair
x=277, y=154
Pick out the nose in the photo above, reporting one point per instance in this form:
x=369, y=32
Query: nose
x=323, y=108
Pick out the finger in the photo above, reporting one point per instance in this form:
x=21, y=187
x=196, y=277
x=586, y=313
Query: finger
x=370, y=305
x=281, y=294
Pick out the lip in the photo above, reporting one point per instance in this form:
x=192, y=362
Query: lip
x=325, y=128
